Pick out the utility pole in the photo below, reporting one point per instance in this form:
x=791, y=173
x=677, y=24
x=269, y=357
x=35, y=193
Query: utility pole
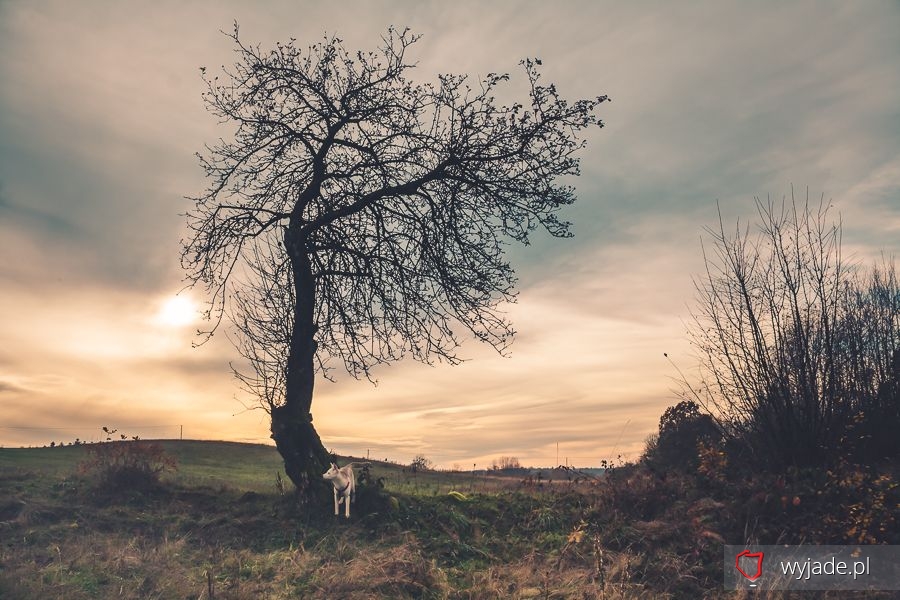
x=181, y=435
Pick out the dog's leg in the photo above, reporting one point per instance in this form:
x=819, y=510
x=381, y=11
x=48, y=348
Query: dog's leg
x=336, y=512
x=347, y=505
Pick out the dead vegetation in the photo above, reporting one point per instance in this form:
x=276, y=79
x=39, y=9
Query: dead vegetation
x=637, y=533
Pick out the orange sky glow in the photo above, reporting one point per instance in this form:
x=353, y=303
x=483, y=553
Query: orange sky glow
x=100, y=114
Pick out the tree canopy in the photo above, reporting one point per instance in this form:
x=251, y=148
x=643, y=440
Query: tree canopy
x=371, y=209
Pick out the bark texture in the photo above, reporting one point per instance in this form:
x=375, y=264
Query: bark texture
x=305, y=457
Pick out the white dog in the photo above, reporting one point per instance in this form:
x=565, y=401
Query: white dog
x=344, y=483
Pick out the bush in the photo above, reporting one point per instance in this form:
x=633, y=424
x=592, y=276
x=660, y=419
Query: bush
x=127, y=466
x=683, y=429
x=420, y=463
x=798, y=350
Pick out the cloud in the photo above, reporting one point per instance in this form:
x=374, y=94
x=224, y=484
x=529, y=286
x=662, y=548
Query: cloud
x=100, y=114
x=6, y=386
x=586, y=370
x=26, y=216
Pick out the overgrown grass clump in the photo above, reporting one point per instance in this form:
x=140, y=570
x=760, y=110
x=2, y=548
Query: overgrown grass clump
x=126, y=468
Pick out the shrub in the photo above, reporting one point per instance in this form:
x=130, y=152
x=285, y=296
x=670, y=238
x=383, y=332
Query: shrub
x=420, y=463
x=866, y=504
x=683, y=428
x=797, y=347
x=127, y=466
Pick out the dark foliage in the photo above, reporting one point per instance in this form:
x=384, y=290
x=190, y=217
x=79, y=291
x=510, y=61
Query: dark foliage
x=682, y=429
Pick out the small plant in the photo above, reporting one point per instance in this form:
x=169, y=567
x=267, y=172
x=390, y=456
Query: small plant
x=865, y=503
x=712, y=461
x=365, y=477
x=420, y=463
x=127, y=465
x=610, y=464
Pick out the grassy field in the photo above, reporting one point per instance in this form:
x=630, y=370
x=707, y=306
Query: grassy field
x=218, y=528
x=246, y=467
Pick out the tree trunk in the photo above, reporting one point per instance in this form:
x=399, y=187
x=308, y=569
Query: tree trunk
x=305, y=458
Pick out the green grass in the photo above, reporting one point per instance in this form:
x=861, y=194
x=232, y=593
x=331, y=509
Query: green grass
x=219, y=525
x=47, y=461
x=200, y=463
x=243, y=466
x=249, y=467
x=217, y=529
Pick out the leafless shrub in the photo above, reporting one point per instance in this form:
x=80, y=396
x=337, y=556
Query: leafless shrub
x=794, y=344
x=420, y=463
x=127, y=466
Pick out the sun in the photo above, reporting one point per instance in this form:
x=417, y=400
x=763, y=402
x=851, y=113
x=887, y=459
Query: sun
x=177, y=311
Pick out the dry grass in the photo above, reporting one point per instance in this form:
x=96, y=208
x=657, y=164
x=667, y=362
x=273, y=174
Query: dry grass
x=400, y=571
x=635, y=535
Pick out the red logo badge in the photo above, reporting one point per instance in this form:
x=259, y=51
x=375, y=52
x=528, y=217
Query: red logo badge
x=757, y=556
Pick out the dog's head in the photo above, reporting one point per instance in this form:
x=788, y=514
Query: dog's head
x=332, y=472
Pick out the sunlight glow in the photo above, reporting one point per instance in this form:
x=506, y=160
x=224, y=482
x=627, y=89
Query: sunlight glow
x=177, y=312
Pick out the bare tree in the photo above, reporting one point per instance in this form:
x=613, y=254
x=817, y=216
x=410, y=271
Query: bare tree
x=370, y=209
x=794, y=344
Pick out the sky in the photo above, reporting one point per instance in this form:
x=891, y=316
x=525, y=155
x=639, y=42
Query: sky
x=713, y=103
